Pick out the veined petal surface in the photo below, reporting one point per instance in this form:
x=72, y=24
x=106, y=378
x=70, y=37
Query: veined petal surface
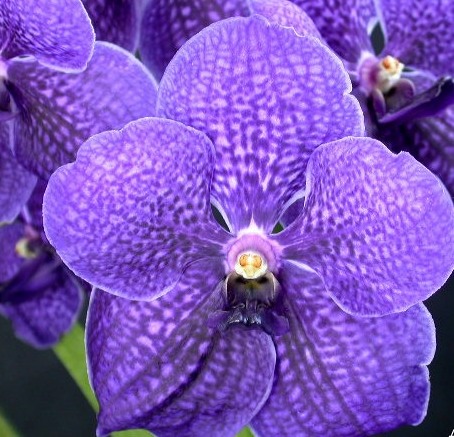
x=116, y=21
x=137, y=208
x=339, y=375
x=266, y=98
x=157, y=365
x=16, y=183
x=58, y=33
x=344, y=24
x=378, y=228
x=58, y=111
x=420, y=33
x=168, y=24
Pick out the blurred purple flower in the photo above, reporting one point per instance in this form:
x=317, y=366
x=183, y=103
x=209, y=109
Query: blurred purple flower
x=204, y=330
x=400, y=57
x=38, y=293
x=56, y=90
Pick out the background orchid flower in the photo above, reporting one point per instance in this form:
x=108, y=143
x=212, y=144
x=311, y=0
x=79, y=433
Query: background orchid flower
x=116, y=21
x=38, y=293
x=400, y=57
x=202, y=330
x=51, y=101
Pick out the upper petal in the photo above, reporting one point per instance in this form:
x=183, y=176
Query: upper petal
x=420, y=33
x=168, y=24
x=58, y=33
x=58, y=111
x=137, y=208
x=115, y=21
x=157, y=365
x=342, y=375
x=378, y=228
x=16, y=182
x=344, y=24
x=267, y=98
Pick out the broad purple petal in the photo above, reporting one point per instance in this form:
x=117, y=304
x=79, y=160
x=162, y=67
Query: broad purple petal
x=137, y=208
x=16, y=183
x=285, y=13
x=430, y=141
x=168, y=24
x=420, y=33
x=58, y=111
x=378, y=228
x=157, y=365
x=339, y=375
x=344, y=24
x=58, y=33
x=267, y=98
x=44, y=317
x=116, y=21
x=10, y=261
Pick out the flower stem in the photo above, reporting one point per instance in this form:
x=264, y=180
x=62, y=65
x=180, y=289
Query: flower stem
x=6, y=429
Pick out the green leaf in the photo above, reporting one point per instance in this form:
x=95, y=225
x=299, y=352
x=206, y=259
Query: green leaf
x=6, y=429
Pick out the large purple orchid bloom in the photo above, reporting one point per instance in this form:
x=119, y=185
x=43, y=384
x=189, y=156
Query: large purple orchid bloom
x=57, y=89
x=38, y=293
x=400, y=56
x=201, y=330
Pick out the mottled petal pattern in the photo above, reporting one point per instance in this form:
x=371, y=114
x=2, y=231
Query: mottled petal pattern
x=58, y=111
x=377, y=227
x=267, y=98
x=46, y=316
x=58, y=33
x=285, y=13
x=116, y=21
x=16, y=183
x=157, y=365
x=10, y=262
x=168, y=24
x=420, y=33
x=344, y=24
x=137, y=208
x=341, y=376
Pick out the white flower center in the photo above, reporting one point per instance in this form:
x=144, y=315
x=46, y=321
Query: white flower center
x=389, y=72
x=251, y=264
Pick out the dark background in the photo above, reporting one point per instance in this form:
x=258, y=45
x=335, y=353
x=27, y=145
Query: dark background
x=41, y=400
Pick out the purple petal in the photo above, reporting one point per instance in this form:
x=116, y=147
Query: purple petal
x=378, y=228
x=420, y=33
x=137, y=208
x=43, y=318
x=10, y=262
x=157, y=365
x=168, y=24
x=115, y=21
x=344, y=24
x=429, y=140
x=265, y=116
x=16, y=182
x=341, y=375
x=58, y=33
x=58, y=111
x=285, y=13
x=34, y=210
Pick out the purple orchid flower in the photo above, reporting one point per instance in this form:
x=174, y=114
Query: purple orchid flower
x=400, y=57
x=167, y=24
x=56, y=90
x=116, y=21
x=201, y=330
x=38, y=293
